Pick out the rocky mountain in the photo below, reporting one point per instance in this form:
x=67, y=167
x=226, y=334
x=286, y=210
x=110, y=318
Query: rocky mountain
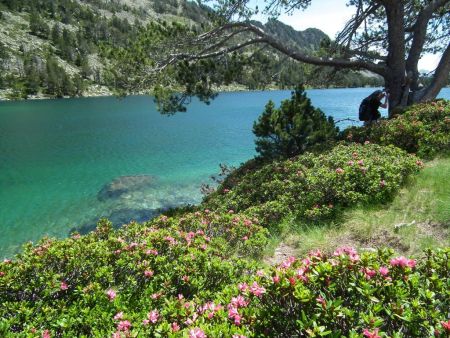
x=57, y=48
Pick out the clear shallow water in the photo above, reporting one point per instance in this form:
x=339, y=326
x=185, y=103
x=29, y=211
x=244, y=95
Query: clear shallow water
x=56, y=155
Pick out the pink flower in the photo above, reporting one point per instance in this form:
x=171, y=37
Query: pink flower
x=175, y=327
x=367, y=142
x=239, y=336
x=446, y=326
x=148, y=273
x=156, y=295
x=185, y=278
x=197, y=333
x=276, y=279
x=153, y=316
x=350, y=163
x=203, y=247
x=118, y=316
x=207, y=211
x=64, y=286
x=245, y=238
x=231, y=211
x=419, y=163
x=321, y=301
x=232, y=312
x=124, y=325
x=46, y=334
x=145, y=322
x=382, y=183
x=239, y=301
x=226, y=191
x=361, y=162
x=369, y=334
x=383, y=271
x=339, y=171
x=237, y=320
x=152, y=252
x=257, y=290
x=180, y=296
x=7, y=261
x=368, y=273
x=243, y=287
x=288, y=262
x=111, y=294
x=403, y=262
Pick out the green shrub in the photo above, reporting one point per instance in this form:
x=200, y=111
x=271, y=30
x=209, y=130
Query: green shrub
x=316, y=186
x=76, y=286
x=424, y=129
x=293, y=128
x=105, y=284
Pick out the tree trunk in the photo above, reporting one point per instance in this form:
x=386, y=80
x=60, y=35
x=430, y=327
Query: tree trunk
x=395, y=76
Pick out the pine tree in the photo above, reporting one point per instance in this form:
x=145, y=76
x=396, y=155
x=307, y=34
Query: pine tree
x=293, y=128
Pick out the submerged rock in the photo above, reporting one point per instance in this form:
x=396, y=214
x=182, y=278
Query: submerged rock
x=125, y=184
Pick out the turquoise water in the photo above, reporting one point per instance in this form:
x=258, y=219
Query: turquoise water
x=56, y=155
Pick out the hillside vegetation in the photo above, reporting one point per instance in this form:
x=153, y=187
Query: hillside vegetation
x=71, y=48
x=197, y=271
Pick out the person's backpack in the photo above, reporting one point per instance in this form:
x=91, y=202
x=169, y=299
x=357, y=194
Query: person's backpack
x=364, y=111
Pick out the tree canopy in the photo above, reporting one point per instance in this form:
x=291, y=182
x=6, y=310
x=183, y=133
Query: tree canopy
x=385, y=37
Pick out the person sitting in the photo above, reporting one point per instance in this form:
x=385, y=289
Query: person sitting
x=368, y=110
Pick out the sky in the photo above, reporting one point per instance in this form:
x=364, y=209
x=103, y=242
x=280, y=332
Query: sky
x=330, y=16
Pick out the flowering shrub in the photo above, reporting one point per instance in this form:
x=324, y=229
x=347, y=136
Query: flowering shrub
x=127, y=280
x=193, y=294
x=316, y=186
x=423, y=129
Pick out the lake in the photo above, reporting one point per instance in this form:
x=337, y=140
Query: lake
x=57, y=155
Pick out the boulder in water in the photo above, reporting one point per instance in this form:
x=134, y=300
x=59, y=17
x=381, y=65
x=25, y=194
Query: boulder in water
x=124, y=184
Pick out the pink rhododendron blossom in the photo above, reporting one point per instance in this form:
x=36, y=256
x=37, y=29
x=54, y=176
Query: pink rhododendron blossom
x=171, y=240
x=175, y=327
x=231, y=211
x=232, y=311
x=260, y=273
x=446, y=326
x=239, y=336
x=197, y=333
x=116, y=334
x=111, y=294
x=288, y=262
x=239, y=301
x=64, y=286
x=237, y=320
x=185, y=278
x=152, y=252
x=257, y=290
x=292, y=281
x=350, y=163
x=226, y=190
x=361, y=162
x=203, y=247
x=403, y=262
x=153, y=316
x=369, y=273
x=180, y=296
x=248, y=222
x=156, y=295
x=148, y=273
x=7, y=261
x=369, y=334
x=245, y=238
x=146, y=322
x=46, y=334
x=315, y=253
x=118, y=316
x=367, y=142
x=382, y=183
x=243, y=287
x=419, y=163
x=339, y=171
x=383, y=271
x=124, y=325
x=276, y=279
x=207, y=211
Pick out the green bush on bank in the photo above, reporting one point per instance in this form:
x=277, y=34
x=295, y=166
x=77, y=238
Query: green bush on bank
x=317, y=186
x=424, y=129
